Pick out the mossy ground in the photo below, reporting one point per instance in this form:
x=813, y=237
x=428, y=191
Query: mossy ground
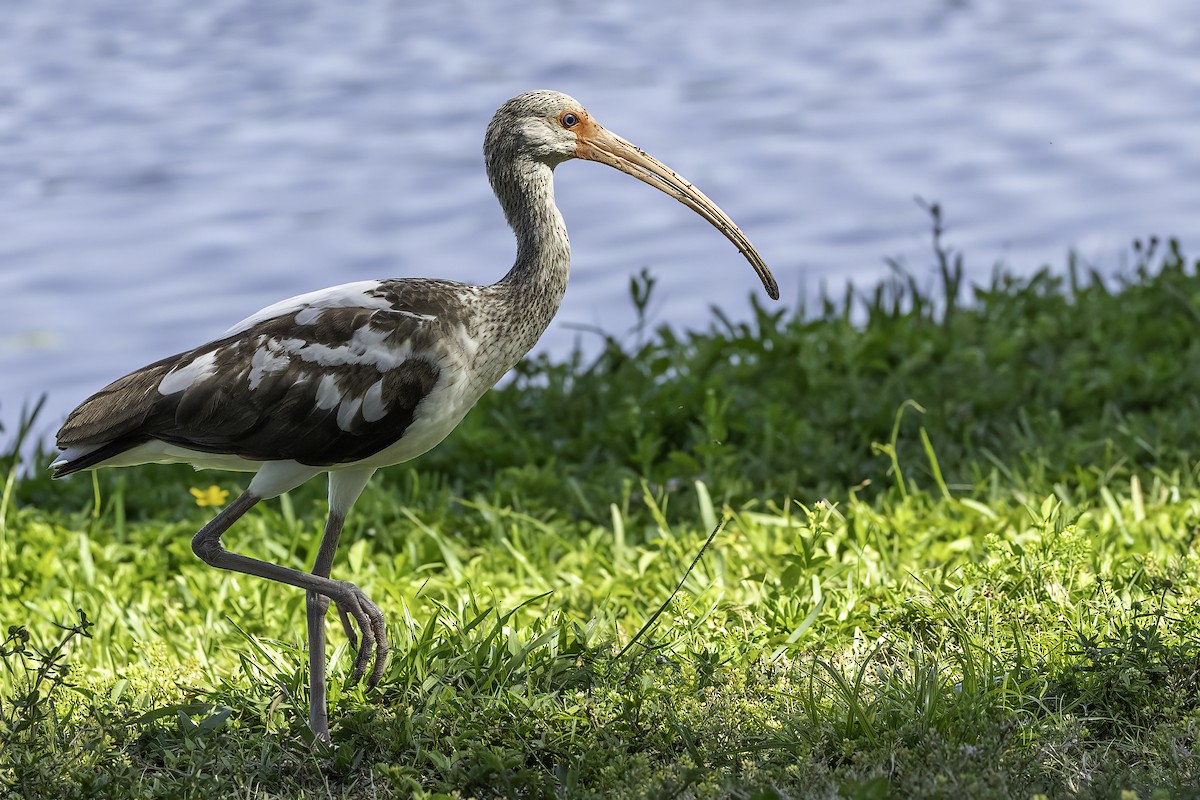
x=956, y=557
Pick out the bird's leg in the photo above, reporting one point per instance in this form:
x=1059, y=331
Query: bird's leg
x=317, y=605
x=207, y=545
x=322, y=567
x=344, y=488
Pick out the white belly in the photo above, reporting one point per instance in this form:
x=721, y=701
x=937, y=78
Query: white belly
x=437, y=415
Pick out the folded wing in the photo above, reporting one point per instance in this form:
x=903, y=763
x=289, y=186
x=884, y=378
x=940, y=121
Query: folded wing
x=326, y=378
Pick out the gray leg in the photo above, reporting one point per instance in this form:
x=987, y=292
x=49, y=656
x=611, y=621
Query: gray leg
x=344, y=488
x=207, y=545
x=317, y=605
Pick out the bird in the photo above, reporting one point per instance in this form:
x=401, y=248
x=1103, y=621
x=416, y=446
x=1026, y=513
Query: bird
x=365, y=375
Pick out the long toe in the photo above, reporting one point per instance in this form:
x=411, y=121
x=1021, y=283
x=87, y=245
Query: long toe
x=364, y=655
x=381, y=648
x=348, y=627
x=375, y=642
x=353, y=602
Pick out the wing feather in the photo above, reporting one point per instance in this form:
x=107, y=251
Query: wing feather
x=322, y=379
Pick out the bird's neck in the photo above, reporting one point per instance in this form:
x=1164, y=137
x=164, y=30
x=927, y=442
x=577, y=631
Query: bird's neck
x=533, y=289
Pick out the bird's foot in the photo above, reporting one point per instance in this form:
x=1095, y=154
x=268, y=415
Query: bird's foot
x=347, y=623
x=352, y=602
x=320, y=727
x=348, y=627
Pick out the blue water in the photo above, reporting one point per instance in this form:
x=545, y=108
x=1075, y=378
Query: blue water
x=168, y=167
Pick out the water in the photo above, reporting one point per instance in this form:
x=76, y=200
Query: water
x=169, y=167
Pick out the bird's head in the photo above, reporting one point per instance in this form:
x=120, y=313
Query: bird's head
x=539, y=125
x=551, y=127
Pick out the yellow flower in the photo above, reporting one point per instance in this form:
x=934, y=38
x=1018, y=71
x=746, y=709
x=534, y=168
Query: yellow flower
x=212, y=496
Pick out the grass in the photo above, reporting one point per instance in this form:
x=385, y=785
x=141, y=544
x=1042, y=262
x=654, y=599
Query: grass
x=953, y=554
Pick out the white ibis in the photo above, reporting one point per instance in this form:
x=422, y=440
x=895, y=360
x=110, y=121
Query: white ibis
x=365, y=375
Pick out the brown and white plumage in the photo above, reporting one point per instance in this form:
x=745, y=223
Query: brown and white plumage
x=365, y=375
x=325, y=379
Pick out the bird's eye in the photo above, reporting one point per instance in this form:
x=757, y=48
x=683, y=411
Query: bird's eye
x=569, y=120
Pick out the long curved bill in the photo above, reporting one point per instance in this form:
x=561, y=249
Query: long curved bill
x=596, y=143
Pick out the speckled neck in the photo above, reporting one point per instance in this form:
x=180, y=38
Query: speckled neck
x=522, y=303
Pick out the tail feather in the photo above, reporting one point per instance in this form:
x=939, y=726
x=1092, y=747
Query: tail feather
x=110, y=421
x=80, y=458
x=116, y=412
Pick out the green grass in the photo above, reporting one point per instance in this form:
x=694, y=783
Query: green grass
x=955, y=556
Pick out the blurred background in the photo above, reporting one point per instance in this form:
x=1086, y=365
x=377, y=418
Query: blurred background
x=168, y=167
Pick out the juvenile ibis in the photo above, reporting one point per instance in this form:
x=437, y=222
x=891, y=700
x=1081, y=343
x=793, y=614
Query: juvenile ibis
x=365, y=375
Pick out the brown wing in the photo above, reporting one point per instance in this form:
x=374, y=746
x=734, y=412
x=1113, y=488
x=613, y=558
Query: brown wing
x=320, y=385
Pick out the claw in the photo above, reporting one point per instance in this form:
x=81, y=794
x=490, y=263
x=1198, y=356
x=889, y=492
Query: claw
x=355, y=604
x=381, y=650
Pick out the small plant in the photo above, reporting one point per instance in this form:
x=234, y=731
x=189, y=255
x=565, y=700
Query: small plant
x=30, y=714
x=1142, y=669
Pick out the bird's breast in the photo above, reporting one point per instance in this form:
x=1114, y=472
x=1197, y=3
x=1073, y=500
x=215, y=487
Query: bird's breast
x=438, y=413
